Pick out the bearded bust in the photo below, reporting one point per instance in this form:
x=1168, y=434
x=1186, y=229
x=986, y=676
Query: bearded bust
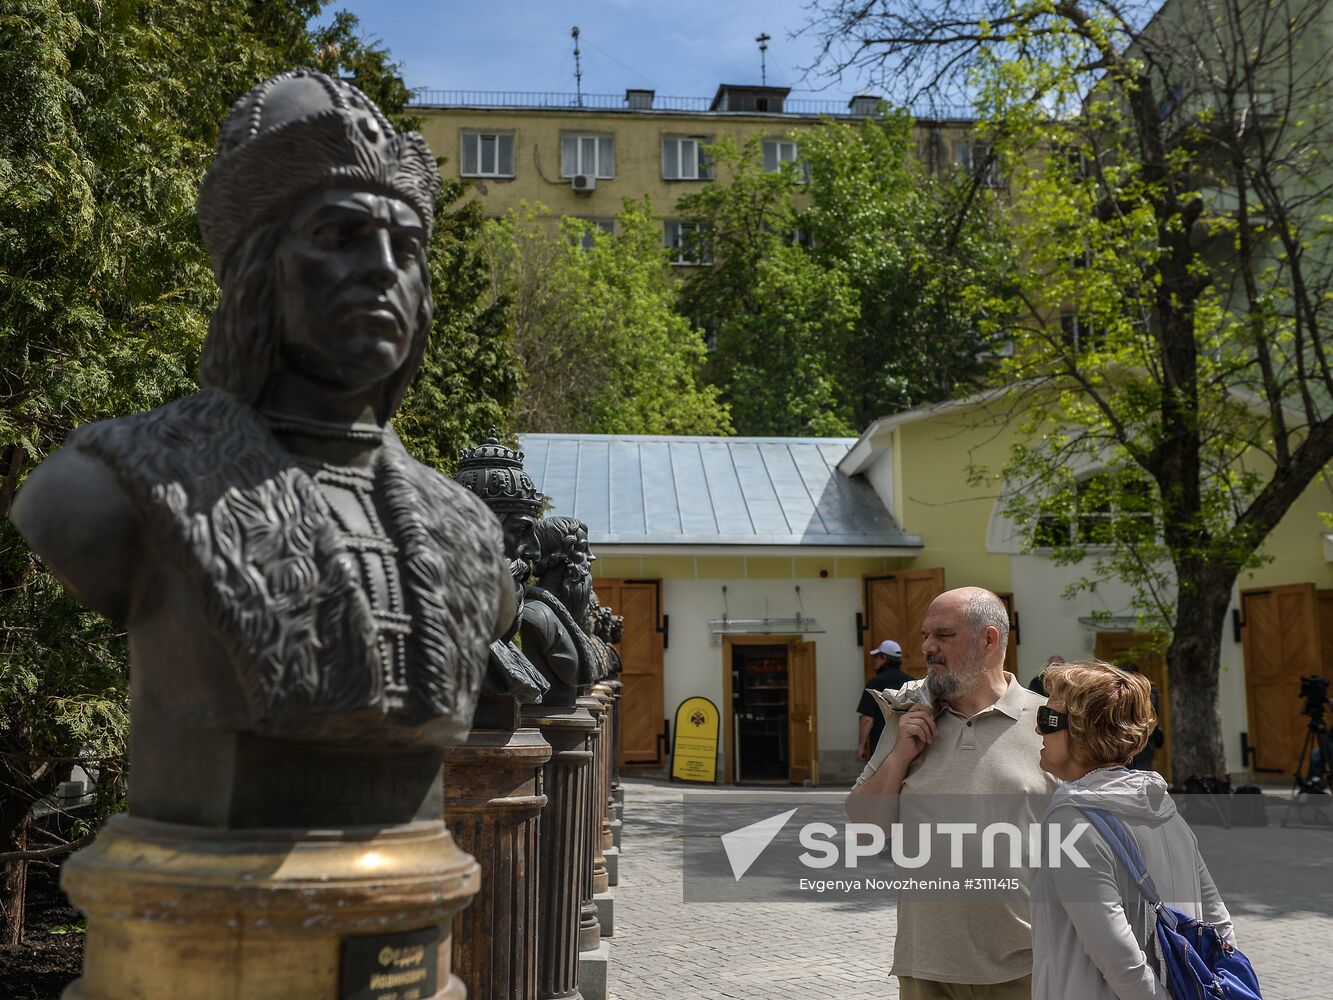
x=299, y=592
x=554, y=606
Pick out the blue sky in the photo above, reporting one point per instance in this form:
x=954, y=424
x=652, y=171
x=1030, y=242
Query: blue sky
x=681, y=48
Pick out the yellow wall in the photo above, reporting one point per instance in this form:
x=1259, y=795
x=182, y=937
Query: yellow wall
x=756, y=567
x=638, y=153
x=935, y=500
x=1296, y=546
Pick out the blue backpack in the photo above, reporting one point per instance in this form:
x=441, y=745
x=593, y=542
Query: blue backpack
x=1198, y=964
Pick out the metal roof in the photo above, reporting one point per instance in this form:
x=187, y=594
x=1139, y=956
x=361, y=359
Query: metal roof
x=657, y=490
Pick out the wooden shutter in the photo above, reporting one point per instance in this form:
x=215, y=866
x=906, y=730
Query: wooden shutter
x=643, y=698
x=1281, y=642
x=1011, y=653
x=895, y=604
x=802, y=715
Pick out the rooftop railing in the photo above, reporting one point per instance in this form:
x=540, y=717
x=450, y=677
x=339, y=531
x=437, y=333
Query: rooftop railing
x=429, y=98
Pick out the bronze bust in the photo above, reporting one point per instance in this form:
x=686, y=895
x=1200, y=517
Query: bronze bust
x=309, y=608
x=495, y=473
x=555, y=605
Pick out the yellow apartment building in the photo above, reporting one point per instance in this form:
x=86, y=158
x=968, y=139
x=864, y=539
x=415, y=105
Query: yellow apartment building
x=583, y=155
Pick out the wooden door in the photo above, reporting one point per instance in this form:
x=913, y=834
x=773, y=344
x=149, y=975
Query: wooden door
x=1281, y=641
x=802, y=715
x=894, y=604
x=1122, y=648
x=1011, y=652
x=643, y=698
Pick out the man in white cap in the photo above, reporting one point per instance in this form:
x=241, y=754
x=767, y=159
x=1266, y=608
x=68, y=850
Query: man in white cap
x=887, y=659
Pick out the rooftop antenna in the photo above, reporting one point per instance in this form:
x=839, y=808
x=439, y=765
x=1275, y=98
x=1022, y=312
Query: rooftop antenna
x=763, y=39
x=578, y=67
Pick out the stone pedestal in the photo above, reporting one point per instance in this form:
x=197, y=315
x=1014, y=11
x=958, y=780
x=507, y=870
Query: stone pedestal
x=604, y=773
x=197, y=913
x=613, y=794
x=493, y=804
x=594, y=968
x=606, y=912
x=612, y=866
x=564, y=849
x=590, y=932
x=618, y=691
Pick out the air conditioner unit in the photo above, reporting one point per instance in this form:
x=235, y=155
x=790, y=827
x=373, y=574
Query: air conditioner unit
x=584, y=182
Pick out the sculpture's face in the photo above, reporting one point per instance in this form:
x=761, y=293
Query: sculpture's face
x=521, y=547
x=576, y=588
x=350, y=285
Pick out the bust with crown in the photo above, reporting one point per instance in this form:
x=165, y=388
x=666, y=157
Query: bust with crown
x=494, y=472
x=309, y=608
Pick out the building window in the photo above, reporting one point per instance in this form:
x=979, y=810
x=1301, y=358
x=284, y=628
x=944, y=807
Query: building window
x=683, y=158
x=796, y=237
x=1080, y=164
x=488, y=154
x=590, y=155
x=1107, y=508
x=778, y=152
x=975, y=159
x=607, y=226
x=687, y=242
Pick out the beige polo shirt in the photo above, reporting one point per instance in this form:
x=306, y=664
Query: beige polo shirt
x=993, y=753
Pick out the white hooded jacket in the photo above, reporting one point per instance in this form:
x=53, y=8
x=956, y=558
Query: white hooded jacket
x=1093, y=934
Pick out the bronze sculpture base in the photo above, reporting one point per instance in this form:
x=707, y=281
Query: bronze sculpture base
x=492, y=805
x=563, y=841
x=194, y=913
x=590, y=931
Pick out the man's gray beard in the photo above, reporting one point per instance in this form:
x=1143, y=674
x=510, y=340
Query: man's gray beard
x=946, y=687
x=943, y=687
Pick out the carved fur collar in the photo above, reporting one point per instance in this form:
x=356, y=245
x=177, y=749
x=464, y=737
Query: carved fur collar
x=252, y=533
x=589, y=662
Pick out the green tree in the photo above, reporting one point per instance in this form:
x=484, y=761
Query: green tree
x=853, y=259
x=907, y=241
x=775, y=316
x=1172, y=182
x=603, y=350
x=109, y=121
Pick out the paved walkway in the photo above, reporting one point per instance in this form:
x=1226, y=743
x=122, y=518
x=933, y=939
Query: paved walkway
x=665, y=949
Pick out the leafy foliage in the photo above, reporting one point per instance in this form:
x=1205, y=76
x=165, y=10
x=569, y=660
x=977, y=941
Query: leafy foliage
x=603, y=350
x=833, y=293
x=1172, y=183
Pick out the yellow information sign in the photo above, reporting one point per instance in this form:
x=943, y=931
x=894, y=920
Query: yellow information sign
x=694, y=742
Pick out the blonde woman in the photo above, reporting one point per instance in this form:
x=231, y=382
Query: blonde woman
x=1093, y=933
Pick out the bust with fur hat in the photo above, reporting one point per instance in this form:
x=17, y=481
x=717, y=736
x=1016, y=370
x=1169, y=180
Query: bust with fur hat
x=295, y=585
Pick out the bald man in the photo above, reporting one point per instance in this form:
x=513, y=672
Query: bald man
x=967, y=729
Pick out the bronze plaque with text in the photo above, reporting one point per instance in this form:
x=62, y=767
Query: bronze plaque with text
x=391, y=966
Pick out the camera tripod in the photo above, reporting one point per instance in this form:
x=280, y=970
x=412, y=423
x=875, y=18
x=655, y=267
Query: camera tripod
x=1307, y=782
